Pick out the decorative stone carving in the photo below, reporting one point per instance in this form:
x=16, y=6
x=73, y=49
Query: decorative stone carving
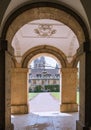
x=45, y=30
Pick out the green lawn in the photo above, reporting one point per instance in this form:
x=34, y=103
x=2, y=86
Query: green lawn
x=56, y=95
x=32, y=95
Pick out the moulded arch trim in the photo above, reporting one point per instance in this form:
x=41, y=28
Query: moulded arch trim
x=44, y=49
x=44, y=54
x=13, y=62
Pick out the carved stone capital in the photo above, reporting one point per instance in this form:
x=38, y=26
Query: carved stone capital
x=69, y=70
x=85, y=47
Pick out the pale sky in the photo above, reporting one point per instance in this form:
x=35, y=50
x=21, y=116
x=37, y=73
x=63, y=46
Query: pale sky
x=49, y=61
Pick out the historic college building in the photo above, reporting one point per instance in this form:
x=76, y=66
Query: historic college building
x=42, y=75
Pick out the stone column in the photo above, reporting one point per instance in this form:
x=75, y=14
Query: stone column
x=19, y=91
x=5, y=90
x=84, y=122
x=68, y=90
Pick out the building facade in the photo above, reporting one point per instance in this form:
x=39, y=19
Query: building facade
x=42, y=75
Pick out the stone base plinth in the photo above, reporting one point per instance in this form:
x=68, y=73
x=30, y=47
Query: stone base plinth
x=80, y=126
x=12, y=126
x=19, y=109
x=69, y=107
x=7, y=127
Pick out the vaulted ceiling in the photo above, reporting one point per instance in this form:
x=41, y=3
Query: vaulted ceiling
x=46, y=31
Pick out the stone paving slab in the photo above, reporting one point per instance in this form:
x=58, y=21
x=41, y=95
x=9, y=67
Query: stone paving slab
x=46, y=121
x=44, y=115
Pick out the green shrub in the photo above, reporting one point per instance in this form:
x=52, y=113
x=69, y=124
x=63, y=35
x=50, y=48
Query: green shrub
x=37, y=88
x=52, y=88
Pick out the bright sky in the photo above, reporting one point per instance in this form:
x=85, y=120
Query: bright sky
x=49, y=61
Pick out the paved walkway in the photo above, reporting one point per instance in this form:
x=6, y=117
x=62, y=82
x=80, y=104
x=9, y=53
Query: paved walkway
x=45, y=115
x=44, y=102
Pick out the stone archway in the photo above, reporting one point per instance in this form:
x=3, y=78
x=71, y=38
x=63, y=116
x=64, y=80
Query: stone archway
x=45, y=13
x=20, y=73
x=43, y=80
x=51, y=12
x=44, y=49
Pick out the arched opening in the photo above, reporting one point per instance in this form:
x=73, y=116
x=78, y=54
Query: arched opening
x=74, y=25
x=44, y=81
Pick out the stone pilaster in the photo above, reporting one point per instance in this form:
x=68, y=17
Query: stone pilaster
x=84, y=122
x=68, y=90
x=19, y=91
x=5, y=97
